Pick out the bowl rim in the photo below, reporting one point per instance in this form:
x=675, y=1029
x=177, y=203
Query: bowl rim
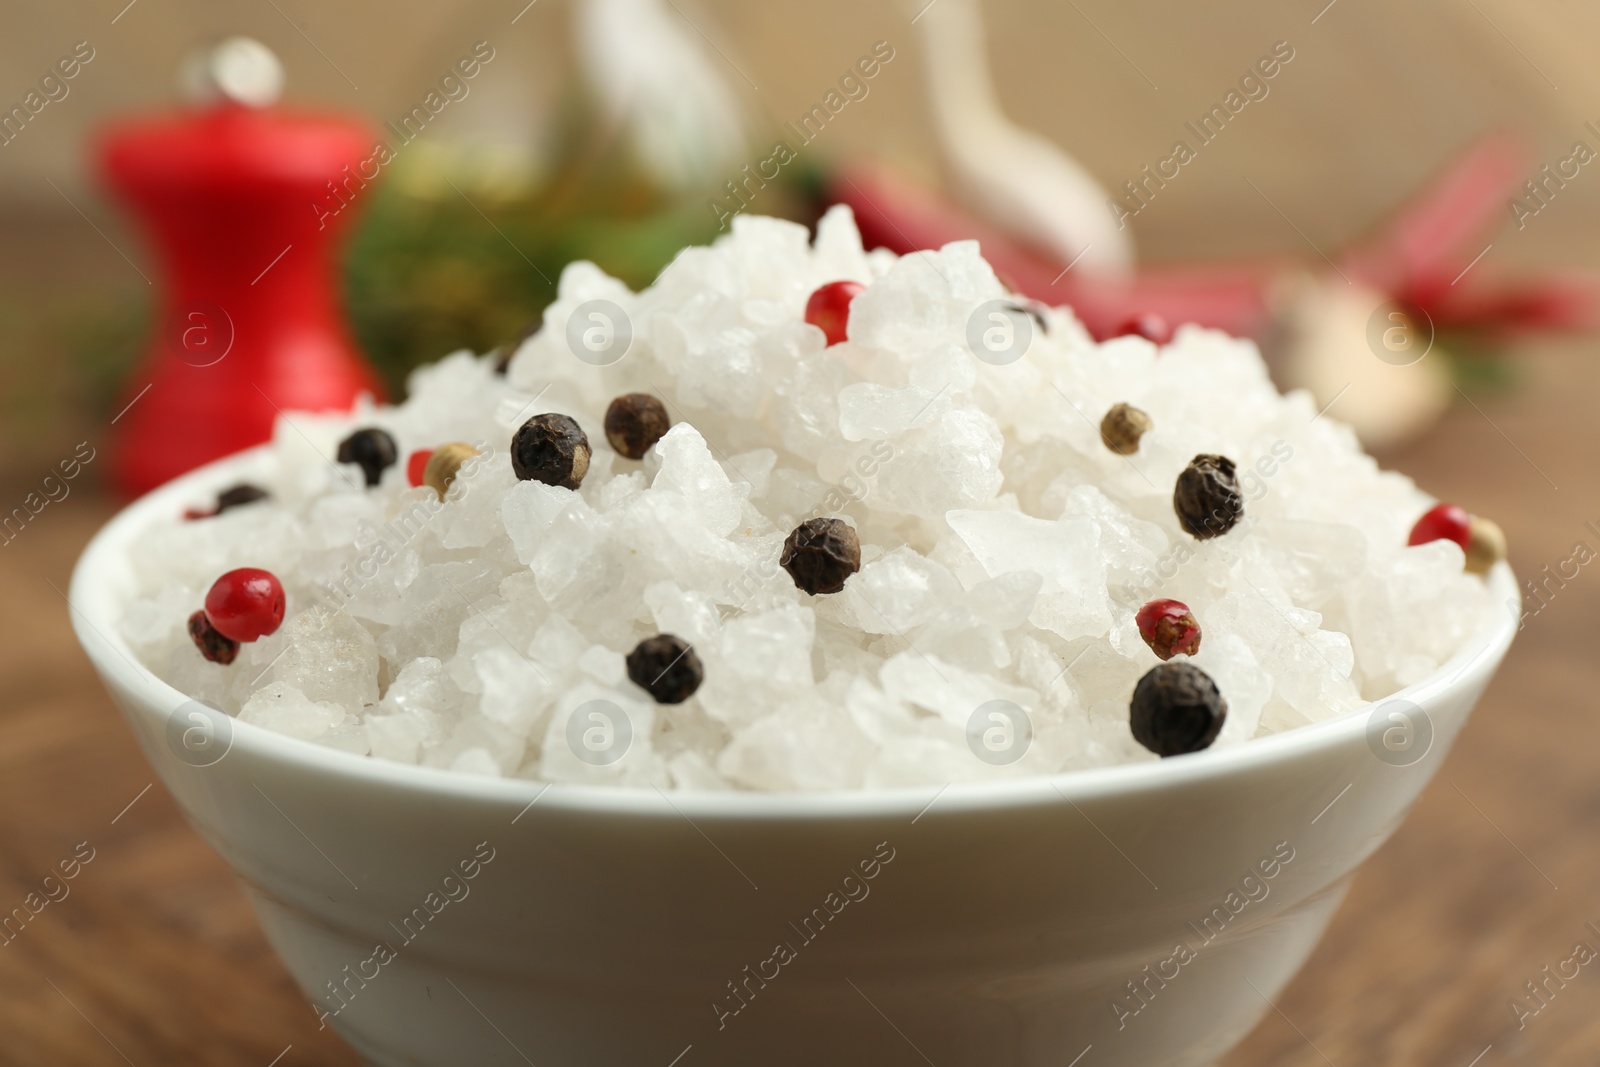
x=95, y=596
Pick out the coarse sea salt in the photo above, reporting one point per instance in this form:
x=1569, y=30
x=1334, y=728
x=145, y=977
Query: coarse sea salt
x=989, y=632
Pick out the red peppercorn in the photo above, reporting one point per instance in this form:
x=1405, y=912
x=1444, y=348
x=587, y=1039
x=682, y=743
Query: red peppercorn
x=1169, y=628
x=828, y=309
x=1444, y=521
x=245, y=604
x=1150, y=326
x=417, y=464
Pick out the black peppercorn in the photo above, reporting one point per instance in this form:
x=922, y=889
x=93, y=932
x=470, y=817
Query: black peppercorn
x=239, y=496
x=1207, y=497
x=552, y=449
x=666, y=667
x=820, y=554
x=212, y=645
x=634, y=422
x=370, y=449
x=1176, y=709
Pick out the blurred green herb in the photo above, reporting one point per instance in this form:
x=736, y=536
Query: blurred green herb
x=427, y=275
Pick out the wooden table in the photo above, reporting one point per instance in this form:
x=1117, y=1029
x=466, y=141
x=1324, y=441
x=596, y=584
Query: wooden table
x=154, y=958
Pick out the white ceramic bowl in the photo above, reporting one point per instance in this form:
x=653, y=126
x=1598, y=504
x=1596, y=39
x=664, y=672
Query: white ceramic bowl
x=1003, y=925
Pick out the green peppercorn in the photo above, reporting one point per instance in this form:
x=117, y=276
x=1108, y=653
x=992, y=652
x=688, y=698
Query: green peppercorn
x=1122, y=428
x=439, y=473
x=1486, y=544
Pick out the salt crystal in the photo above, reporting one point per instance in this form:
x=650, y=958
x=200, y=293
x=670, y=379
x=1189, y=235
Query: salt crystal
x=687, y=467
x=945, y=689
x=602, y=665
x=807, y=745
x=759, y=661
x=332, y=659
x=528, y=509
x=952, y=462
x=516, y=691
x=1004, y=548
x=396, y=737
x=838, y=246
x=868, y=411
x=348, y=737
x=902, y=590
x=503, y=746
x=601, y=735
x=691, y=770
x=283, y=708
x=476, y=761
x=1072, y=599
x=692, y=615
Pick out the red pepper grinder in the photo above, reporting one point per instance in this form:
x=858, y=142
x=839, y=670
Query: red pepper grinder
x=244, y=202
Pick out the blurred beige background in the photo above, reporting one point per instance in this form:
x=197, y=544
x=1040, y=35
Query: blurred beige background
x=1377, y=94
